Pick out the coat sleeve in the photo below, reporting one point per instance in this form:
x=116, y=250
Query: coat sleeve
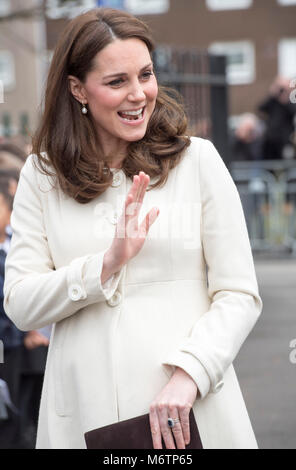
x=232, y=285
x=35, y=293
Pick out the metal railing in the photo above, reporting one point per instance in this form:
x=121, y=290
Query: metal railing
x=201, y=80
x=268, y=193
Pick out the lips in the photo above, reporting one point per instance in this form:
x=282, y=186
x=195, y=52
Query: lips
x=132, y=115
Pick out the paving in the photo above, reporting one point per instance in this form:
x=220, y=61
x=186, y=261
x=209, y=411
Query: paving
x=265, y=365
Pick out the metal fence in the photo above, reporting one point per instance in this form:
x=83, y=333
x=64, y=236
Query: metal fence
x=201, y=80
x=267, y=187
x=268, y=194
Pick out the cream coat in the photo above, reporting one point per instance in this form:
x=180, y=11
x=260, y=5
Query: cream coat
x=188, y=299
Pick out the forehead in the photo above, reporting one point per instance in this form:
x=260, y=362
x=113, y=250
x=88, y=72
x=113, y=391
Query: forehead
x=120, y=55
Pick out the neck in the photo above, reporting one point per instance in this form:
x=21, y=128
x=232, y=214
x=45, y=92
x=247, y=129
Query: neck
x=115, y=151
x=116, y=163
x=116, y=157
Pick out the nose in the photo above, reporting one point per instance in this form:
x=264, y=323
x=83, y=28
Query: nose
x=136, y=92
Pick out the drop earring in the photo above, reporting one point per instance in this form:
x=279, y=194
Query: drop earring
x=84, y=109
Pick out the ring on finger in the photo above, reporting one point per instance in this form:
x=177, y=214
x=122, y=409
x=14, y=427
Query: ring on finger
x=172, y=422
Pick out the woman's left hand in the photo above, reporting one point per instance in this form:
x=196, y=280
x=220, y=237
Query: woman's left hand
x=174, y=401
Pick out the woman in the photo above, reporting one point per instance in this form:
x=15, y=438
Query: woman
x=152, y=293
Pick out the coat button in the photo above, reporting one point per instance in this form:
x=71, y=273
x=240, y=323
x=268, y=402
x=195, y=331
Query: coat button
x=113, y=218
x=117, y=179
x=75, y=292
x=218, y=387
x=115, y=299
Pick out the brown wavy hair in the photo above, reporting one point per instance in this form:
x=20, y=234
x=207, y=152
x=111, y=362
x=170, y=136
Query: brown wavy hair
x=69, y=138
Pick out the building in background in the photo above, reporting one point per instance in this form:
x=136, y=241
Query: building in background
x=23, y=65
x=258, y=38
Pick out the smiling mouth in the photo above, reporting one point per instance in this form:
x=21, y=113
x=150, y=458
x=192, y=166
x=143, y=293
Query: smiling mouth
x=132, y=115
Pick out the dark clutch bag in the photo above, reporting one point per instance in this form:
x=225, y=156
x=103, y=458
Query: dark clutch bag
x=133, y=433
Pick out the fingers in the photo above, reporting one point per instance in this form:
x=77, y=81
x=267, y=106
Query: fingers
x=177, y=429
x=176, y=437
x=144, y=179
x=155, y=429
x=136, y=194
x=133, y=205
x=165, y=429
x=185, y=424
x=148, y=221
x=159, y=427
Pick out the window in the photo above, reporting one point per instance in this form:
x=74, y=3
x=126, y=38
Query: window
x=147, y=7
x=4, y=7
x=287, y=58
x=71, y=8
x=286, y=3
x=68, y=8
x=118, y=4
x=7, y=70
x=240, y=58
x=228, y=4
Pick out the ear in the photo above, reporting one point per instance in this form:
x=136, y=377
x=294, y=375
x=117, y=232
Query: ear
x=77, y=89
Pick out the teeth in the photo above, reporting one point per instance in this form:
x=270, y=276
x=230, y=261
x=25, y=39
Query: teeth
x=132, y=113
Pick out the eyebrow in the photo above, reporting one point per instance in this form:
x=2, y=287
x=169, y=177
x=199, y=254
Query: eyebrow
x=124, y=73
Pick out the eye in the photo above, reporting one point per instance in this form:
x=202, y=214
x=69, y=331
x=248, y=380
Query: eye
x=116, y=82
x=146, y=75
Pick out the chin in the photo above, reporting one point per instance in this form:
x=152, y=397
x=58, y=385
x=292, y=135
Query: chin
x=135, y=137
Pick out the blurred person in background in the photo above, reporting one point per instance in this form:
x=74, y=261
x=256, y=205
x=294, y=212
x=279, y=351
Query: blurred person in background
x=34, y=356
x=9, y=178
x=12, y=159
x=278, y=112
x=11, y=175
x=11, y=156
x=11, y=336
x=247, y=140
x=24, y=353
x=246, y=144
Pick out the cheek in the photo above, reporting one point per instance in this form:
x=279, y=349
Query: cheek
x=105, y=98
x=152, y=91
